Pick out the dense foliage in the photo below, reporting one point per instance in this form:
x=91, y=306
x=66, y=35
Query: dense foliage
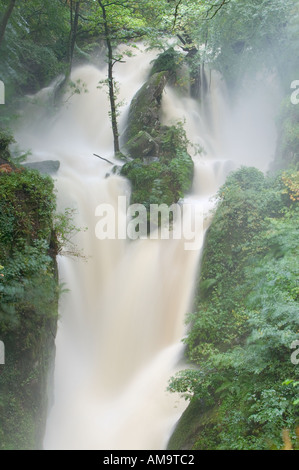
x=33, y=45
x=246, y=317
x=28, y=301
x=26, y=213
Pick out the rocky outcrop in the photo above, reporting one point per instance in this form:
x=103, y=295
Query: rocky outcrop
x=195, y=419
x=144, y=114
x=161, y=171
x=143, y=145
x=47, y=167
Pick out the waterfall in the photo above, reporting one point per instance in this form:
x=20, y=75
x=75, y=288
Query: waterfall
x=122, y=321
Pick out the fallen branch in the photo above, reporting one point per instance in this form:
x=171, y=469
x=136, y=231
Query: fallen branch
x=105, y=159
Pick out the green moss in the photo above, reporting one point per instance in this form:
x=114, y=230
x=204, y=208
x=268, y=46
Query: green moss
x=169, y=61
x=174, y=63
x=145, y=107
x=162, y=170
x=195, y=421
x=166, y=180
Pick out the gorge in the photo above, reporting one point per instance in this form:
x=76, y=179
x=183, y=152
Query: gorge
x=158, y=204
x=121, y=324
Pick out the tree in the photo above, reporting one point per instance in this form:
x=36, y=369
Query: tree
x=111, y=85
x=187, y=18
x=235, y=35
x=35, y=45
x=245, y=34
x=74, y=6
x=122, y=21
x=74, y=22
x=5, y=19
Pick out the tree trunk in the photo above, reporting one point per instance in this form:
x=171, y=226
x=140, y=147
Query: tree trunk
x=5, y=19
x=112, y=99
x=74, y=21
x=73, y=33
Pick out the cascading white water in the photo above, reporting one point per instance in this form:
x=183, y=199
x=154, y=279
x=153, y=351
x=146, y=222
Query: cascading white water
x=119, y=337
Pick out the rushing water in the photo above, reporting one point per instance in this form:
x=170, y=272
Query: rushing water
x=122, y=321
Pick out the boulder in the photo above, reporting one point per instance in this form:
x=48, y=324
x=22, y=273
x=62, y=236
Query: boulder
x=144, y=113
x=142, y=145
x=48, y=167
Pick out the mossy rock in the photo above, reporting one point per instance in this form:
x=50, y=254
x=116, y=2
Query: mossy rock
x=173, y=62
x=197, y=429
x=144, y=113
x=162, y=170
x=47, y=167
x=142, y=145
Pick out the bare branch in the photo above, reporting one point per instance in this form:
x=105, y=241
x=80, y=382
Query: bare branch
x=176, y=13
x=102, y=158
x=218, y=7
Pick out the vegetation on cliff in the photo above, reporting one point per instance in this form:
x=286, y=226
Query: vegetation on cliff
x=242, y=383
x=28, y=301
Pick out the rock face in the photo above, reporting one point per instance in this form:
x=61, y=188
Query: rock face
x=144, y=114
x=48, y=167
x=161, y=170
x=192, y=422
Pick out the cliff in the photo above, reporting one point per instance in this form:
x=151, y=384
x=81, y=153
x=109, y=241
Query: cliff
x=28, y=301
